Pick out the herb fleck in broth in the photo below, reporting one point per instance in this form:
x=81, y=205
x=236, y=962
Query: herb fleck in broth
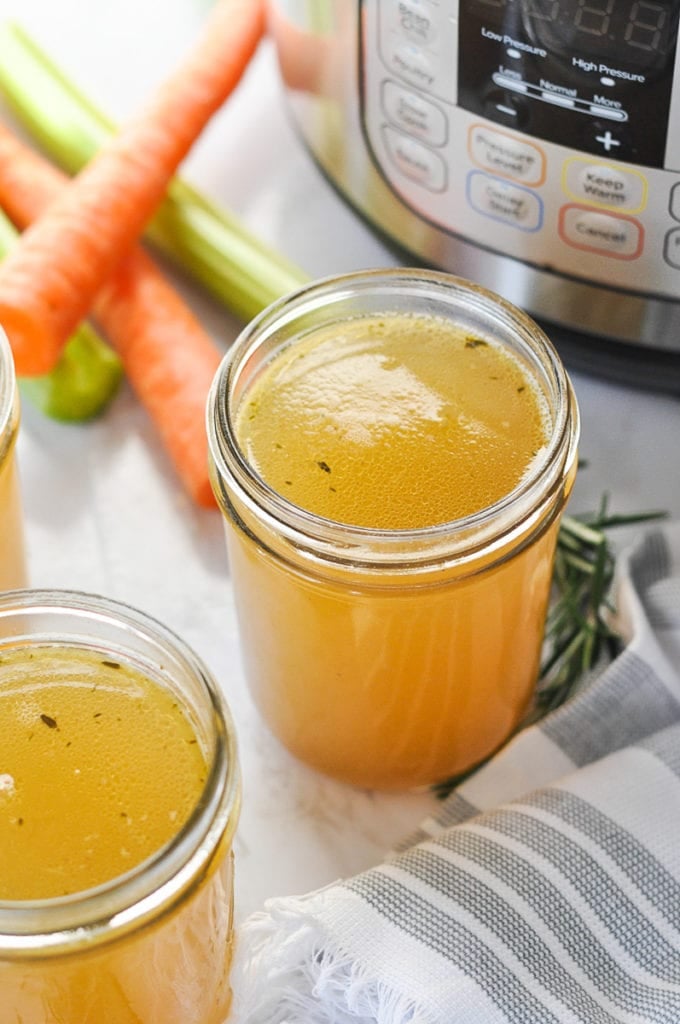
x=393, y=422
x=100, y=766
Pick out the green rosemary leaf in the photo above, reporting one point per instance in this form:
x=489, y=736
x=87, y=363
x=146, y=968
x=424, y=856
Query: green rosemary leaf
x=581, y=531
x=579, y=562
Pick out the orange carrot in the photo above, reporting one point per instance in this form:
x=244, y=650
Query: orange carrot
x=169, y=360
x=168, y=357
x=50, y=278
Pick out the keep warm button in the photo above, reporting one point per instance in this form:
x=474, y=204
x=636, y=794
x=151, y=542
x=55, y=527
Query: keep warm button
x=603, y=233
x=604, y=186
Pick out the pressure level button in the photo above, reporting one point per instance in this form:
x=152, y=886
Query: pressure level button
x=506, y=155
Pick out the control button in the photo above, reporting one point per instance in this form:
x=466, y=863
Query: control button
x=512, y=80
x=507, y=108
x=602, y=185
x=416, y=161
x=416, y=20
x=510, y=204
x=583, y=228
x=414, y=38
x=414, y=114
x=506, y=155
x=557, y=99
x=675, y=201
x=608, y=140
x=610, y=112
x=671, y=248
x=414, y=65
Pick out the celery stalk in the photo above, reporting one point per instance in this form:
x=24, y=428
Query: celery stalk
x=87, y=375
x=203, y=239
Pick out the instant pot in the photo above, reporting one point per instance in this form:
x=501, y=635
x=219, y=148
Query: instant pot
x=530, y=145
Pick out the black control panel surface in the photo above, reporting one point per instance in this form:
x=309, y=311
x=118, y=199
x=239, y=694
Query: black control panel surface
x=593, y=75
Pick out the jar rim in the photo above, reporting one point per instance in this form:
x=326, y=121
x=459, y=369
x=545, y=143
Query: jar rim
x=7, y=387
x=54, y=926
x=231, y=463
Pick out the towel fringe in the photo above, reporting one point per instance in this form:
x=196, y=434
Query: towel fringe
x=293, y=974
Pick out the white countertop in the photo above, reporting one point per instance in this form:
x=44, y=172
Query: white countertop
x=104, y=512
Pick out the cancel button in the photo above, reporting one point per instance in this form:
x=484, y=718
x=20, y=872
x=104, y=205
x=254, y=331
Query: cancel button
x=605, y=233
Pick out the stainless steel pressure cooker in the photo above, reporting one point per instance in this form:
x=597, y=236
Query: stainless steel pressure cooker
x=530, y=145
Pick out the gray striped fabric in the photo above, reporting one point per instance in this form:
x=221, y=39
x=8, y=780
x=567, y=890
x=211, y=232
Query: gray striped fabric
x=547, y=888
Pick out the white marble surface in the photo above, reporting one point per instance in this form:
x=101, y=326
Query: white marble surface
x=104, y=512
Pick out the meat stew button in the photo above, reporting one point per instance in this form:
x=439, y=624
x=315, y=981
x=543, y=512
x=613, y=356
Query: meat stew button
x=416, y=161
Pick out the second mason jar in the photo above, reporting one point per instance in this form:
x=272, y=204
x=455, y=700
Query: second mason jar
x=120, y=792
x=392, y=451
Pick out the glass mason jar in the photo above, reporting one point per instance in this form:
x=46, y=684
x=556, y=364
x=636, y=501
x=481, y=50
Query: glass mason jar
x=391, y=658
x=12, y=555
x=153, y=943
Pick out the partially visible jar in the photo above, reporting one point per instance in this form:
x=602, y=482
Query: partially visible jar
x=12, y=550
x=153, y=944
x=388, y=658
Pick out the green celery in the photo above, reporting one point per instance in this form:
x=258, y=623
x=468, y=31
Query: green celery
x=203, y=239
x=87, y=375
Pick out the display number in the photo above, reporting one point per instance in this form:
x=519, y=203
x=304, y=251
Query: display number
x=594, y=19
x=645, y=26
x=543, y=10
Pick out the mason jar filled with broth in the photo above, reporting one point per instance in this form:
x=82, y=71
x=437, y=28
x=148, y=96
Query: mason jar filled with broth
x=392, y=451
x=119, y=797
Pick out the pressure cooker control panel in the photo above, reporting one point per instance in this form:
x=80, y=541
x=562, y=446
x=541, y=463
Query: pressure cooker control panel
x=546, y=130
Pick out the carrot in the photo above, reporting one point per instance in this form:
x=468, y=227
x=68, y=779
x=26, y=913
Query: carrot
x=88, y=374
x=169, y=360
x=204, y=240
x=168, y=357
x=49, y=280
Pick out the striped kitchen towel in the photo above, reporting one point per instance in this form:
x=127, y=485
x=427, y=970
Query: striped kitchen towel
x=547, y=889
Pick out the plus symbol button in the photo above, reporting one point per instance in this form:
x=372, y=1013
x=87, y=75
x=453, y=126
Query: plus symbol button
x=607, y=140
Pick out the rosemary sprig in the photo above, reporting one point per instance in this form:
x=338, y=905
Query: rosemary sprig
x=579, y=635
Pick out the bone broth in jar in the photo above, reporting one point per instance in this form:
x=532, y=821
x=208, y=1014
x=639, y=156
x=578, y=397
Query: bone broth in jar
x=119, y=797
x=12, y=555
x=392, y=451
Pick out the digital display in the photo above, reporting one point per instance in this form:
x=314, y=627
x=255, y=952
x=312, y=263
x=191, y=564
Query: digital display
x=593, y=75
x=638, y=32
